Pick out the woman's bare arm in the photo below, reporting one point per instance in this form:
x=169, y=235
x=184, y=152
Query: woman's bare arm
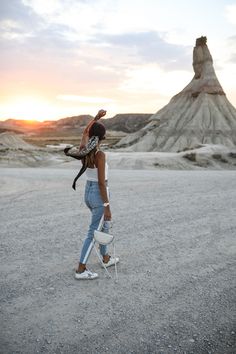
x=100, y=157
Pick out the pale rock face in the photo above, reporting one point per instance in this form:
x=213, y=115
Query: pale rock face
x=199, y=114
x=14, y=141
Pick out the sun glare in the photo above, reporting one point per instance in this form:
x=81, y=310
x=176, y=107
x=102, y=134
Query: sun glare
x=28, y=108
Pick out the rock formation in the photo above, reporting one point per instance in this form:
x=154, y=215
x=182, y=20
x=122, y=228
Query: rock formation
x=199, y=114
x=13, y=141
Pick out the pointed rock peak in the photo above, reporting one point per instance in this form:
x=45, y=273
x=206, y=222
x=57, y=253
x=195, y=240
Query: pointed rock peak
x=205, y=79
x=201, y=54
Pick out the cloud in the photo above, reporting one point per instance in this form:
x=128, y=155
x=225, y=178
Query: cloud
x=233, y=58
x=75, y=28
x=151, y=78
x=15, y=10
x=231, y=48
x=81, y=16
x=84, y=99
x=14, y=15
x=148, y=47
x=231, y=13
x=19, y=22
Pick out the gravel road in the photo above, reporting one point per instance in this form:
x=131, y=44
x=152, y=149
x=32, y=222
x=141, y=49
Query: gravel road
x=175, y=233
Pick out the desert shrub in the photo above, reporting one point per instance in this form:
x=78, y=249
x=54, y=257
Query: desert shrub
x=190, y=157
x=219, y=157
x=232, y=154
x=4, y=150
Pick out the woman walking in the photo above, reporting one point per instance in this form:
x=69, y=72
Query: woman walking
x=96, y=198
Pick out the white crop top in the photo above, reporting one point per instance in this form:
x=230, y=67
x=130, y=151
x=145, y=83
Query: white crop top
x=92, y=173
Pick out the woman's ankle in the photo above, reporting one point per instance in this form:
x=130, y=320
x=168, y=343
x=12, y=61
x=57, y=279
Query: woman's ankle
x=81, y=268
x=106, y=258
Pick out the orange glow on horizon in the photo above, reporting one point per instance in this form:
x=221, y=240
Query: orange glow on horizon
x=30, y=122
x=29, y=108
x=38, y=109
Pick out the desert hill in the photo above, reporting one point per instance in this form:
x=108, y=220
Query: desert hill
x=126, y=123
x=76, y=123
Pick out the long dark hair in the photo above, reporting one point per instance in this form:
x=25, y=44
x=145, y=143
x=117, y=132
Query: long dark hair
x=97, y=129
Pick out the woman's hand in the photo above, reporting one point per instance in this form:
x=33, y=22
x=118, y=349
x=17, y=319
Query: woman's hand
x=107, y=213
x=100, y=114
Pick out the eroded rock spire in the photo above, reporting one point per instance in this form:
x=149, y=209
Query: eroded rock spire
x=199, y=114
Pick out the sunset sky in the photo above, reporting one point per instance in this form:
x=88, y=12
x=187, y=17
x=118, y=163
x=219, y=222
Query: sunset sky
x=68, y=57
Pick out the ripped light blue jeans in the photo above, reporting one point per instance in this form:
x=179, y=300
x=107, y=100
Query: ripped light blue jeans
x=94, y=202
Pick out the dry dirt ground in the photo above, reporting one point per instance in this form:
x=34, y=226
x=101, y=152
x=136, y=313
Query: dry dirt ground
x=175, y=233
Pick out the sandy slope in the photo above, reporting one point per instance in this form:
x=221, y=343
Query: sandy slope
x=14, y=141
x=176, y=238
